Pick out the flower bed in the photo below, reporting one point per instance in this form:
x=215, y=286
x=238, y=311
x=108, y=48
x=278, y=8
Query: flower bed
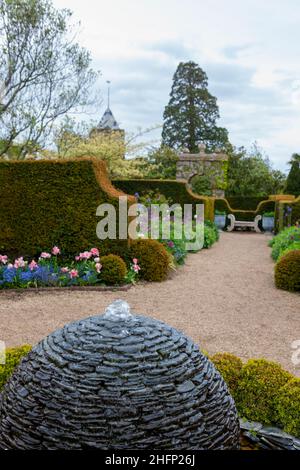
x=50, y=270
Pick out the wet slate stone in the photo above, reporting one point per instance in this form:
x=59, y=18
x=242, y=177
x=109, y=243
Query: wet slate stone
x=118, y=382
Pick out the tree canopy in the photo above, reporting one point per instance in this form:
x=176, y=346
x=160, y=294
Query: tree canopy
x=44, y=71
x=293, y=179
x=192, y=112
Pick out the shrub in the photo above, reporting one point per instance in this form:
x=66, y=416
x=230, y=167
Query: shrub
x=230, y=367
x=211, y=234
x=288, y=407
x=283, y=240
x=258, y=386
x=153, y=259
x=113, y=269
x=287, y=271
x=13, y=357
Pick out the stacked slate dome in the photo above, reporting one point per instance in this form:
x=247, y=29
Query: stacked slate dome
x=117, y=381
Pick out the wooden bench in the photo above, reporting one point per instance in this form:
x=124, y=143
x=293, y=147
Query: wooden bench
x=243, y=223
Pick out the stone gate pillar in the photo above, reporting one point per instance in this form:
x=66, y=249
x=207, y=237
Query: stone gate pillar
x=214, y=165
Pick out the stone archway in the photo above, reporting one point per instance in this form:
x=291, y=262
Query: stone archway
x=212, y=165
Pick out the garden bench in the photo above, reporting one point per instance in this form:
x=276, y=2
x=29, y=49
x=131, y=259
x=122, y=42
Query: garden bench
x=243, y=223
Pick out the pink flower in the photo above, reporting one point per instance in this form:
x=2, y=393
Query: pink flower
x=3, y=259
x=19, y=263
x=95, y=252
x=45, y=255
x=97, y=260
x=77, y=258
x=65, y=270
x=55, y=251
x=136, y=268
x=73, y=273
x=85, y=255
x=33, y=265
x=98, y=267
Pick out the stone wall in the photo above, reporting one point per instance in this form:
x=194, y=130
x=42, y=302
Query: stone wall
x=213, y=165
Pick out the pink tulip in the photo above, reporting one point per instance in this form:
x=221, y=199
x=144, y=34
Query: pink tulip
x=77, y=258
x=3, y=259
x=55, y=251
x=85, y=255
x=65, y=270
x=98, y=267
x=135, y=261
x=45, y=255
x=33, y=265
x=136, y=268
x=19, y=263
x=73, y=273
x=95, y=252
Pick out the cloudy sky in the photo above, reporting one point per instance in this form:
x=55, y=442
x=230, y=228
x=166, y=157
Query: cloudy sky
x=250, y=51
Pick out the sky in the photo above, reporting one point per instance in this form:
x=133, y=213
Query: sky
x=249, y=49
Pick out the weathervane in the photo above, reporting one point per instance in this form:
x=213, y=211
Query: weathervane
x=108, y=93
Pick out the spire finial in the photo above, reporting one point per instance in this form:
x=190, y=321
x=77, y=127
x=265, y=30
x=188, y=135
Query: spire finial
x=108, y=93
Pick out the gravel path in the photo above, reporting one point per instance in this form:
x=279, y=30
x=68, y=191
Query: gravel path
x=224, y=298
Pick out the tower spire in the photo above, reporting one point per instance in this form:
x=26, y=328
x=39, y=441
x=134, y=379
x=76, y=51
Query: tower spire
x=108, y=93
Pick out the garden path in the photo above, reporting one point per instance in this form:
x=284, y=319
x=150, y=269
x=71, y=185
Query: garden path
x=224, y=298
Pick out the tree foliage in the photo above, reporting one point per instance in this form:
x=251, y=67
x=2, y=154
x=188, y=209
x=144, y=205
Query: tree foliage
x=192, y=112
x=44, y=71
x=293, y=179
x=251, y=174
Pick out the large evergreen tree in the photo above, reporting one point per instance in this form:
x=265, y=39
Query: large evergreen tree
x=191, y=114
x=293, y=179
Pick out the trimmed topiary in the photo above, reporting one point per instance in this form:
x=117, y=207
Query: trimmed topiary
x=153, y=259
x=257, y=389
x=113, y=269
x=12, y=359
x=288, y=407
x=287, y=271
x=230, y=367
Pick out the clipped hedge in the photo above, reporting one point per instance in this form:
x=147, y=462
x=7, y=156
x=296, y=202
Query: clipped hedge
x=175, y=191
x=113, y=269
x=244, y=203
x=287, y=271
x=230, y=367
x=13, y=357
x=223, y=205
x=53, y=202
x=153, y=259
x=288, y=407
x=259, y=383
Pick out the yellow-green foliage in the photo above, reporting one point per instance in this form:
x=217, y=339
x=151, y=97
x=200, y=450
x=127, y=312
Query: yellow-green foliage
x=230, y=367
x=287, y=271
x=113, y=269
x=288, y=407
x=13, y=357
x=48, y=202
x=152, y=257
x=259, y=383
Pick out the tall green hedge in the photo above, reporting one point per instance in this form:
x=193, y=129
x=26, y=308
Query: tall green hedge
x=176, y=191
x=244, y=203
x=48, y=202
